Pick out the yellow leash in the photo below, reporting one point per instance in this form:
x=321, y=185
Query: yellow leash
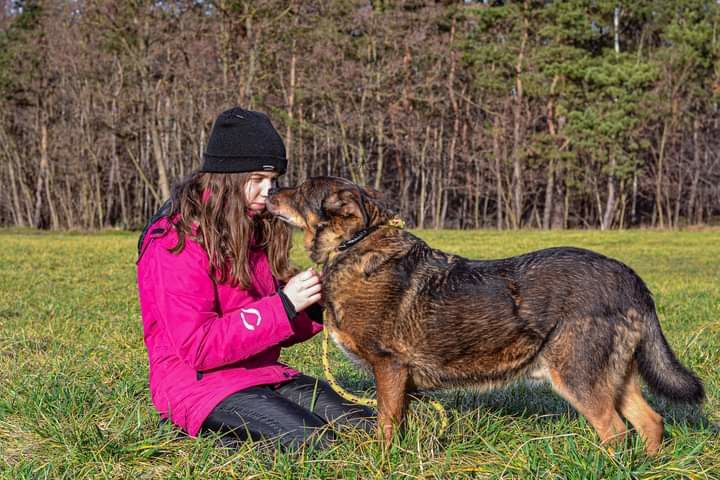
x=368, y=402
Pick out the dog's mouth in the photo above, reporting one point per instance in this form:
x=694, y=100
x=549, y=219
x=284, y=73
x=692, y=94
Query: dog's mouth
x=275, y=211
x=282, y=217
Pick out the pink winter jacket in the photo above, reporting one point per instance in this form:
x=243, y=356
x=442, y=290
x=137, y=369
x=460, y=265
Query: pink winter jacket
x=206, y=341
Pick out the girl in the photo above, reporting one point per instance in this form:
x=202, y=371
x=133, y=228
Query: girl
x=219, y=300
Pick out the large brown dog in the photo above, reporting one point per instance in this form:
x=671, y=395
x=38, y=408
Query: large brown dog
x=421, y=318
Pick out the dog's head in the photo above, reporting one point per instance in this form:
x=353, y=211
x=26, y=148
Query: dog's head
x=330, y=211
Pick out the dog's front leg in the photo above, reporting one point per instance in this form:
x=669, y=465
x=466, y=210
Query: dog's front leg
x=391, y=383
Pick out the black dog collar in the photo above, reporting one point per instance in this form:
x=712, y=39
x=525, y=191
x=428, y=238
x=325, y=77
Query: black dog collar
x=359, y=235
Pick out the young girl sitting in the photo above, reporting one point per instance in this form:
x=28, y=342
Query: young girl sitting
x=219, y=300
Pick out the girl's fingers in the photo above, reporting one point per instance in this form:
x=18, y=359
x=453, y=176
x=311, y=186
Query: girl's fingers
x=311, y=281
x=314, y=299
x=312, y=290
x=304, y=276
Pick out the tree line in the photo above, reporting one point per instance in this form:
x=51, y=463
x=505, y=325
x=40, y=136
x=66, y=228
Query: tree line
x=473, y=114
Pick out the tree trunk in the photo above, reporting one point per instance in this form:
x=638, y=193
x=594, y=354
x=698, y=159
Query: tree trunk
x=114, y=167
x=633, y=210
x=245, y=91
x=609, y=215
x=16, y=213
x=439, y=174
x=659, y=177
x=42, y=174
x=623, y=201
x=695, y=174
x=550, y=184
x=16, y=209
x=517, y=125
x=54, y=220
x=610, y=204
x=67, y=203
x=559, y=212
x=290, y=113
x=678, y=200
x=163, y=182
x=498, y=178
x=549, y=191
x=145, y=180
x=300, y=151
x=380, y=158
x=476, y=195
x=423, y=180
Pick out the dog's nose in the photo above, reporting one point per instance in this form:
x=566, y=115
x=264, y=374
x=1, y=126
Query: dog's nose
x=272, y=191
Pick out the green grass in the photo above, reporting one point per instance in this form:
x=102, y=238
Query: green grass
x=74, y=401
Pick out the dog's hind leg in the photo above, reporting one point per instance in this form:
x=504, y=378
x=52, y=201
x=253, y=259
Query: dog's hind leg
x=597, y=406
x=588, y=360
x=587, y=363
x=391, y=381
x=646, y=421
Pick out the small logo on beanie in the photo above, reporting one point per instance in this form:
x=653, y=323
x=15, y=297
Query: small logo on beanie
x=268, y=167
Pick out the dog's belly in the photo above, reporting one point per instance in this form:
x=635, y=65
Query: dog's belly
x=436, y=379
x=428, y=372
x=469, y=363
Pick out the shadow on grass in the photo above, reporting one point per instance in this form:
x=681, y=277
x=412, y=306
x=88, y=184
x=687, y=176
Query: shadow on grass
x=691, y=415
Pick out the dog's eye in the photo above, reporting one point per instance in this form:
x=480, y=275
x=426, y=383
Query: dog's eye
x=320, y=227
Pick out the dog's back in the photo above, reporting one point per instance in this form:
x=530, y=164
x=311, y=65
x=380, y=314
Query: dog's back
x=486, y=322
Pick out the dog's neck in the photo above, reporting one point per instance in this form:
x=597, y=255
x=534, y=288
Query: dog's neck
x=394, y=222
x=357, y=237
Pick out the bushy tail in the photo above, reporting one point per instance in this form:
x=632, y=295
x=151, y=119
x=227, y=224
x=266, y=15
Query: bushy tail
x=661, y=369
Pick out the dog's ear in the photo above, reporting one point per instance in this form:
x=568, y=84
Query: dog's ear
x=377, y=204
x=344, y=203
x=373, y=194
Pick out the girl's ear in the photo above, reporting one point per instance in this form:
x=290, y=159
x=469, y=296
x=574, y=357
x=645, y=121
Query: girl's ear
x=343, y=203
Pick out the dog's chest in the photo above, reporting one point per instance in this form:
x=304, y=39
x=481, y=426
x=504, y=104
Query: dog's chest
x=348, y=347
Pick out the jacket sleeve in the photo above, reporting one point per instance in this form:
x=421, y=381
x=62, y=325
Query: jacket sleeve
x=303, y=328
x=184, y=298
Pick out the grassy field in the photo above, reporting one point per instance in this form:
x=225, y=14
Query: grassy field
x=74, y=401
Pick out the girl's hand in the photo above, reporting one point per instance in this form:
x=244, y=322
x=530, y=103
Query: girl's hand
x=304, y=289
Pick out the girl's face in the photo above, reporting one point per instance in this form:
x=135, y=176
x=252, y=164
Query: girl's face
x=257, y=188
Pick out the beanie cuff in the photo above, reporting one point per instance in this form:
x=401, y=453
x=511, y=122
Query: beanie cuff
x=241, y=164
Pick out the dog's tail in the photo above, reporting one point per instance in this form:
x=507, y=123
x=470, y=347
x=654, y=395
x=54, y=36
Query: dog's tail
x=661, y=369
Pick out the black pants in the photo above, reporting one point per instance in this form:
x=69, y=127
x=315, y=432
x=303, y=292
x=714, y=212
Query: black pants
x=292, y=414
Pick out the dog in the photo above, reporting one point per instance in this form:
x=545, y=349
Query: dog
x=419, y=318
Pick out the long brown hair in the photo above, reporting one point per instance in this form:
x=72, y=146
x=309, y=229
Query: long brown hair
x=225, y=230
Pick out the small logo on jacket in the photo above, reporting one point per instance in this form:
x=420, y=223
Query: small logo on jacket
x=249, y=322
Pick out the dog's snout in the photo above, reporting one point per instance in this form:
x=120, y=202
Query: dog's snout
x=273, y=191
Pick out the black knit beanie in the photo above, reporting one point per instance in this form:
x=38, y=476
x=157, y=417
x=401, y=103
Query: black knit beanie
x=244, y=141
